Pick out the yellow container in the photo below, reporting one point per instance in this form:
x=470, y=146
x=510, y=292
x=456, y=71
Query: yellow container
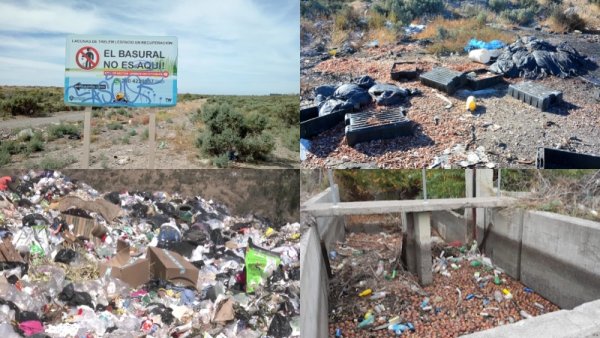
x=365, y=293
x=471, y=104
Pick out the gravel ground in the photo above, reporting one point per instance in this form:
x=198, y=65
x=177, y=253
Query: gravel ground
x=503, y=131
x=449, y=316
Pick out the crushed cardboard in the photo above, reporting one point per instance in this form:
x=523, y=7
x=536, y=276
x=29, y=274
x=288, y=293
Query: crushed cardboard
x=101, y=206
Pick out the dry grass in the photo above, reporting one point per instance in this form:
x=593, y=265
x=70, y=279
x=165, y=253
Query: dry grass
x=450, y=36
x=383, y=35
x=338, y=37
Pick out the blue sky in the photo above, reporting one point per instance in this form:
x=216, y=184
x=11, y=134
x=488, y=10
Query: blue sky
x=225, y=47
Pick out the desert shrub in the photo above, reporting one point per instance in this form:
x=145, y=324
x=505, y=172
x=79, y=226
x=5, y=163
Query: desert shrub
x=320, y=8
x=4, y=157
x=226, y=130
x=53, y=163
x=521, y=16
x=376, y=20
x=498, y=6
x=451, y=36
x=21, y=105
x=346, y=19
x=114, y=126
x=566, y=22
x=408, y=10
x=63, y=129
x=221, y=161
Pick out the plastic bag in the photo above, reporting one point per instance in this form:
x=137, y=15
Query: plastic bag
x=260, y=263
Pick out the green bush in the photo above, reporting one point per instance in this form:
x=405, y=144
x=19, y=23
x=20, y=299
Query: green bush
x=570, y=22
x=407, y=10
x=21, y=105
x=114, y=126
x=221, y=161
x=497, y=6
x=521, y=16
x=346, y=19
x=60, y=130
x=228, y=130
x=4, y=157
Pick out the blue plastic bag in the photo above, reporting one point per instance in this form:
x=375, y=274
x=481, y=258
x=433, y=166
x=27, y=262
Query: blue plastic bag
x=478, y=44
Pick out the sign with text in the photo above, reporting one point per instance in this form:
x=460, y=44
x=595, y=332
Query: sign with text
x=121, y=71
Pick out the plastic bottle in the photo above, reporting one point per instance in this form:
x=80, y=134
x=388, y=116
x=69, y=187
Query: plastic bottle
x=367, y=322
x=365, y=293
x=498, y=296
x=471, y=103
x=525, y=314
x=379, y=268
x=378, y=295
x=480, y=55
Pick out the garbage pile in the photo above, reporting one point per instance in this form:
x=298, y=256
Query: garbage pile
x=533, y=58
x=78, y=263
x=360, y=92
x=372, y=296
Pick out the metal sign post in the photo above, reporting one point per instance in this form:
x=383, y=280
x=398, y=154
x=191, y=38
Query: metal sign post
x=87, y=130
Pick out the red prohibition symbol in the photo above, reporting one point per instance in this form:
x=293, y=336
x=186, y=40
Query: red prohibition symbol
x=87, y=57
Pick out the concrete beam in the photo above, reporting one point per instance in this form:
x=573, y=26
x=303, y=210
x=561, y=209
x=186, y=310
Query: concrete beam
x=408, y=222
x=581, y=322
x=423, y=247
x=399, y=206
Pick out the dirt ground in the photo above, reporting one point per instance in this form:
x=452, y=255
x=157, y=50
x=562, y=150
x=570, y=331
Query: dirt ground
x=503, y=131
x=446, y=312
x=128, y=148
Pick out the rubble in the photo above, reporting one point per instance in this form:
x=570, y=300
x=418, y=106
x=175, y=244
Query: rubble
x=75, y=262
x=468, y=293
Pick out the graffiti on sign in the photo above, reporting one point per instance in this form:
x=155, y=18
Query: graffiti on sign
x=121, y=71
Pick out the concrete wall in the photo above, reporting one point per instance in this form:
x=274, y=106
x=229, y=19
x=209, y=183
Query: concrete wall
x=561, y=257
x=314, y=283
x=331, y=229
x=581, y=322
x=558, y=256
x=503, y=243
x=450, y=225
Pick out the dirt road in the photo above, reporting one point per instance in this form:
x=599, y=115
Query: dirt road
x=33, y=122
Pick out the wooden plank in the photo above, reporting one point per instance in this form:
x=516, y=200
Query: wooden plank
x=152, y=139
x=87, y=130
x=398, y=206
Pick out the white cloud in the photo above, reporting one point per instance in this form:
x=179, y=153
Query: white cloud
x=237, y=46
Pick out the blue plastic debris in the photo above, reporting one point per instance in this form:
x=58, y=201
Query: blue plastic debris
x=479, y=44
x=470, y=296
x=528, y=290
x=338, y=333
x=411, y=327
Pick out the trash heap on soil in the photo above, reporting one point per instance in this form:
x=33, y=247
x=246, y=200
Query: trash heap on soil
x=533, y=58
x=372, y=296
x=77, y=263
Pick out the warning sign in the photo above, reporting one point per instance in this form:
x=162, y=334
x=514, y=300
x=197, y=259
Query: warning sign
x=87, y=57
x=121, y=71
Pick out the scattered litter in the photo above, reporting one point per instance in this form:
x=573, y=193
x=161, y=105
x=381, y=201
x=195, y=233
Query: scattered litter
x=140, y=264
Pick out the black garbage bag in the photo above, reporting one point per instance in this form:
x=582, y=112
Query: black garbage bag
x=24, y=203
x=24, y=316
x=75, y=298
x=139, y=210
x=365, y=82
x=353, y=94
x=279, y=327
x=77, y=212
x=65, y=256
x=326, y=91
x=157, y=220
x=319, y=100
x=335, y=106
x=167, y=209
x=387, y=94
x=113, y=197
x=165, y=313
x=217, y=238
x=196, y=235
x=34, y=219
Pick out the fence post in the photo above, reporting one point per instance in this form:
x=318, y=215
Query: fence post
x=152, y=139
x=87, y=122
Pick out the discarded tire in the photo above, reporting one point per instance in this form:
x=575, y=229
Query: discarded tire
x=535, y=94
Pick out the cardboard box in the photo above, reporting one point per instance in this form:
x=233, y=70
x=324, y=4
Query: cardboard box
x=8, y=253
x=122, y=266
x=171, y=266
x=86, y=227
